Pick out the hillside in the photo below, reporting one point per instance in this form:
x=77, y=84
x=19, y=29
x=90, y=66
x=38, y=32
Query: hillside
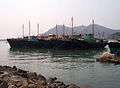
x=115, y=36
x=100, y=31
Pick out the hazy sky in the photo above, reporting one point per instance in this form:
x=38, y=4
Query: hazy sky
x=14, y=13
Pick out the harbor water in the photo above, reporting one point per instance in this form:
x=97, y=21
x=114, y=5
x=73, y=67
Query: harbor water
x=70, y=66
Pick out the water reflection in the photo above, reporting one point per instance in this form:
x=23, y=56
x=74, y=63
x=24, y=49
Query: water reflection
x=55, y=55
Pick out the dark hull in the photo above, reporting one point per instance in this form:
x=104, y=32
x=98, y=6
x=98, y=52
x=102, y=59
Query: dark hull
x=55, y=44
x=114, y=47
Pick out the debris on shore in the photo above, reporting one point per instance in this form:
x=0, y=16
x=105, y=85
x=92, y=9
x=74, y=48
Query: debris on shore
x=109, y=58
x=13, y=77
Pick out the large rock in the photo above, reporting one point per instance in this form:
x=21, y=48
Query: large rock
x=73, y=86
x=40, y=84
x=25, y=83
x=32, y=86
x=106, y=56
x=6, y=77
x=1, y=72
x=12, y=86
x=40, y=77
x=32, y=75
x=22, y=71
x=3, y=84
x=59, y=83
x=51, y=80
x=30, y=81
x=14, y=68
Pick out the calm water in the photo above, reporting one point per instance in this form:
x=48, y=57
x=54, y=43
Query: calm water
x=74, y=66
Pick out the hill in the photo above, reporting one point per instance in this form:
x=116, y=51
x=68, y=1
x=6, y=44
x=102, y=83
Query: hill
x=100, y=31
x=115, y=36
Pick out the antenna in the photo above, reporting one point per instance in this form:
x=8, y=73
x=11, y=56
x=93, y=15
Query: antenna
x=38, y=29
x=93, y=27
x=29, y=28
x=56, y=31
x=23, y=30
x=72, y=26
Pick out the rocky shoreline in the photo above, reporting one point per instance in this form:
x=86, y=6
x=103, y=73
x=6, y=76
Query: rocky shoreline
x=13, y=77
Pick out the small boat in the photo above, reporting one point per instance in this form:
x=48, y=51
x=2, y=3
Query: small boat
x=114, y=47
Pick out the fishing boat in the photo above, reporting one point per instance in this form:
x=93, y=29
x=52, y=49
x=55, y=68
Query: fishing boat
x=53, y=41
x=56, y=44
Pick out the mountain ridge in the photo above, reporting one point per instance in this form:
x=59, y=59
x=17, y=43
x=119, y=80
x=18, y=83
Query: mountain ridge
x=100, y=31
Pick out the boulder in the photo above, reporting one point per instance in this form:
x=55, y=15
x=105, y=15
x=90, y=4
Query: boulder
x=22, y=71
x=12, y=86
x=73, y=86
x=40, y=84
x=25, y=83
x=30, y=81
x=32, y=75
x=51, y=80
x=106, y=56
x=1, y=72
x=14, y=67
x=3, y=84
x=32, y=86
x=59, y=83
x=40, y=77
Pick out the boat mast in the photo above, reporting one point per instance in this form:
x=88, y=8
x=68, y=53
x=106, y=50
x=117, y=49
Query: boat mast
x=99, y=34
x=63, y=30
x=56, y=32
x=72, y=26
x=37, y=29
x=103, y=35
x=23, y=30
x=93, y=28
x=29, y=28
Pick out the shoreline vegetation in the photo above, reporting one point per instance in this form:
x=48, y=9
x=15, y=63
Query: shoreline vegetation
x=13, y=77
